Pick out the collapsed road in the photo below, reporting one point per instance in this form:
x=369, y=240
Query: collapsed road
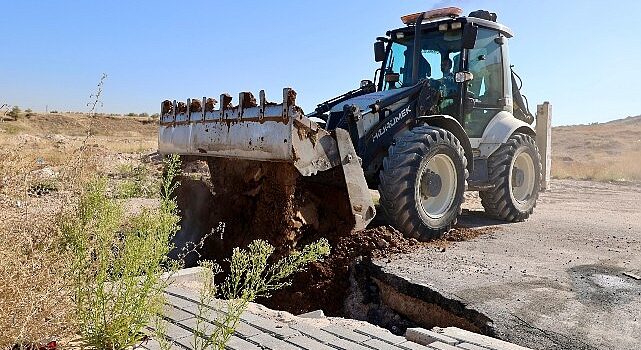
x=568, y=278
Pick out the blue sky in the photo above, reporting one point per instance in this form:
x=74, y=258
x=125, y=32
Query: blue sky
x=582, y=56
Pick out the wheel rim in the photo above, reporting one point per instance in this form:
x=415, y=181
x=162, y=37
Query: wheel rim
x=436, y=186
x=522, y=177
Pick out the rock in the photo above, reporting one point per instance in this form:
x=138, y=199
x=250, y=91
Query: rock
x=45, y=173
x=381, y=243
x=308, y=215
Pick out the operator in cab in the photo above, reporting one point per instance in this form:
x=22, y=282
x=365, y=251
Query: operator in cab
x=449, y=85
x=448, y=88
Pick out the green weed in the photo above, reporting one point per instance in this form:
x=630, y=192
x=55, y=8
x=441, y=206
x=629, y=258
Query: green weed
x=138, y=182
x=251, y=276
x=118, y=262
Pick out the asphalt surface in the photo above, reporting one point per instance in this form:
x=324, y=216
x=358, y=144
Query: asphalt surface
x=560, y=280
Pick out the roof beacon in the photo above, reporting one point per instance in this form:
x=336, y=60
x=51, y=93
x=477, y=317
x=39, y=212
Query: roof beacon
x=451, y=12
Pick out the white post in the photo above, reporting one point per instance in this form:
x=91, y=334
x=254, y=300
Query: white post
x=544, y=141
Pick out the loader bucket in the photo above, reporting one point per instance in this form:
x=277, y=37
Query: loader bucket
x=260, y=138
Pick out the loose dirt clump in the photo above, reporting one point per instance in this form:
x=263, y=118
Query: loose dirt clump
x=459, y=234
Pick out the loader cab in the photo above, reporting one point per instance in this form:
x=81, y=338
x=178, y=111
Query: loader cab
x=447, y=49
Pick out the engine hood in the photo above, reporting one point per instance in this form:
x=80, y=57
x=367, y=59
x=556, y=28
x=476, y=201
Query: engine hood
x=364, y=101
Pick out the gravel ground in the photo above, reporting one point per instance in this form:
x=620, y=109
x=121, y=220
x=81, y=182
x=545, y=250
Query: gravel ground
x=565, y=278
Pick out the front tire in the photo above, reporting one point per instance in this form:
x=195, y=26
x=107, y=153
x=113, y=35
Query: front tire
x=515, y=171
x=422, y=182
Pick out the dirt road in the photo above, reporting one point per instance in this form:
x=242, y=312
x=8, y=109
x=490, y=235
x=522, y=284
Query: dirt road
x=564, y=279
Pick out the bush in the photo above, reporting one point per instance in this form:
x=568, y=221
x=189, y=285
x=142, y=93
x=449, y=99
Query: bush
x=131, y=114
x=118, y=262
x=143, y=115
x=14, y=112
x=251, y=276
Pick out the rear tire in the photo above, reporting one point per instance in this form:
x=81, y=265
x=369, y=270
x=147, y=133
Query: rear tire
x=422, y=182
x=515, y=171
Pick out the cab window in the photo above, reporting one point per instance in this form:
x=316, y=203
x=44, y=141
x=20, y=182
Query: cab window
x=486, y=64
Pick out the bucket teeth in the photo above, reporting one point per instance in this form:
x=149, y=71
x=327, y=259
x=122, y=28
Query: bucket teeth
x=210, y=104
x=181, y=108
x=195, y=105
x=248, y=107
x=247, y=100
x=225, y=101
x=263, y=100
x=166, y=108
x=289, y=96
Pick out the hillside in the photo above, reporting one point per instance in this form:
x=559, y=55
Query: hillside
x=608, y=151
x=50, y=140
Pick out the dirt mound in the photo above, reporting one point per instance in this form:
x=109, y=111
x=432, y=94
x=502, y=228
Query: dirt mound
x=325, y=284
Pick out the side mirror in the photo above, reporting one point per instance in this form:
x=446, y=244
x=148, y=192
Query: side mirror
x=366, y=82
x=469, y=36
x=379, y=51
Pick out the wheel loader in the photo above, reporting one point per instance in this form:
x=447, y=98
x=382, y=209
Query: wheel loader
x=443, y=114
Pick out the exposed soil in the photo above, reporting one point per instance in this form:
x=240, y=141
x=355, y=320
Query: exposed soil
x=325, y=284
x=244, y=201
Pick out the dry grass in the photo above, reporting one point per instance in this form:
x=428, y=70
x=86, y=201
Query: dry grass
x=625, y=167
x=601, y=152
x=35, y=301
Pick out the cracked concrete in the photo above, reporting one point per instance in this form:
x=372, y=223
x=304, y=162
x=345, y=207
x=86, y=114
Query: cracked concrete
x=554, y=281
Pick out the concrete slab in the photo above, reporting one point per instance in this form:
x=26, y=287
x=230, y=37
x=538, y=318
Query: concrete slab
x=381, y=345
x=554, y=281
x=305, y=342
x=409, y=345
x=442, y=346
x=425, y=337
x=262, y=328
x=345, y=333
x=236, y=343
x=272, y=343
x=468, y=346
x=380, y=334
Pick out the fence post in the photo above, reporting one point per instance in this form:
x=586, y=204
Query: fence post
x=544, y=141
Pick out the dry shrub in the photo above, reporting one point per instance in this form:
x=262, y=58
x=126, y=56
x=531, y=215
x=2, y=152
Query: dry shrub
x=35, y=299
x=34, y=303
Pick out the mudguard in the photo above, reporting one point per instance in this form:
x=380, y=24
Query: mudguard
x=499, y=130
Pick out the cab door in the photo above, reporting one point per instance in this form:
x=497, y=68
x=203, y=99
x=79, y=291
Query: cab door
x=487, y=88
